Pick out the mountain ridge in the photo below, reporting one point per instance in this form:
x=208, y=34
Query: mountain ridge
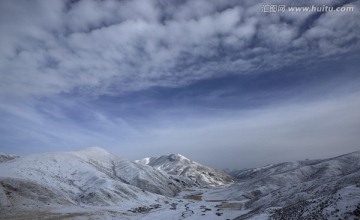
x=178, y=165
x=289, y=190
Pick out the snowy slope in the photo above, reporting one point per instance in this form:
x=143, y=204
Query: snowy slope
x=142, y=176
x=180, y=166
x=318, y=189
x=88, y=177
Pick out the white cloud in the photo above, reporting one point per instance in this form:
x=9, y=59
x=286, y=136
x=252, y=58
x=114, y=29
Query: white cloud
x=106, y=47
x=338, y=25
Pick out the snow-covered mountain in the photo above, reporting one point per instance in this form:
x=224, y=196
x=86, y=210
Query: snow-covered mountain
x=309, y=189
x=88, y=177
x=182, y=169
x=94, y=184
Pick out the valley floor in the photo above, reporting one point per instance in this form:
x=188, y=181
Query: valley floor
x=202, y=203
x=210, y=203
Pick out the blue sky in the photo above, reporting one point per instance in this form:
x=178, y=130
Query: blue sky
x=218, y=81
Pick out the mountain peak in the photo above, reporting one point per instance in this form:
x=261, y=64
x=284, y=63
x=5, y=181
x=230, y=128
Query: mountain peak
x=176, y=157
x=182, y=167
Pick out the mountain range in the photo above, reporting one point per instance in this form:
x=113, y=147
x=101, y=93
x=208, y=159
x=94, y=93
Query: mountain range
x=94, y=184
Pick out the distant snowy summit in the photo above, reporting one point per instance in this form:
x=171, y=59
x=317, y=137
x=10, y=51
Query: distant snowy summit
x=183, y=169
